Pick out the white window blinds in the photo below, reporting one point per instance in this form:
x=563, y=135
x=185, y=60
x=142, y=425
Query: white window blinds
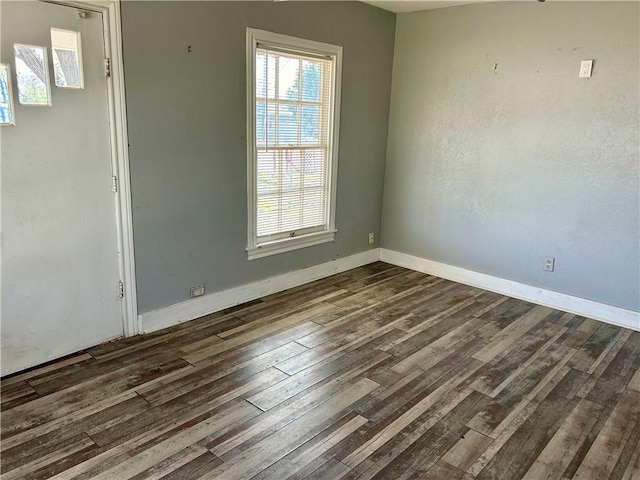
x=292, y=134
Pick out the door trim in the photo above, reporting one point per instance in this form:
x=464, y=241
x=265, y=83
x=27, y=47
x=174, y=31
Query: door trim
x=119, y=143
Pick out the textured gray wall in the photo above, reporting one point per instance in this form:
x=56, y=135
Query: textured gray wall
x=187, y=133
x=495, y=170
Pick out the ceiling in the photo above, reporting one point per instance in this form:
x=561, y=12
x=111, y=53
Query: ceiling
x=399, y=6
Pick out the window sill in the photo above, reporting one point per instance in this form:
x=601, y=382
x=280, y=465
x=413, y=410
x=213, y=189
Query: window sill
x=289, y=244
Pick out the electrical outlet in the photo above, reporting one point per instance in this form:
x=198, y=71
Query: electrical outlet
x=197, y=291
x=585, y=68
x=549, y=264
x=372, y=238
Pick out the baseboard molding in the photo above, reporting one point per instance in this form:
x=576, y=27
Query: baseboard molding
x=214, y=302
x=568, y=303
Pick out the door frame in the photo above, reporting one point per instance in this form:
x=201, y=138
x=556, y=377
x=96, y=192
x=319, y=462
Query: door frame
x=111, y=25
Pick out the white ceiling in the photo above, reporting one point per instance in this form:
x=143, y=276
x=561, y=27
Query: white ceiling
x=399, y=6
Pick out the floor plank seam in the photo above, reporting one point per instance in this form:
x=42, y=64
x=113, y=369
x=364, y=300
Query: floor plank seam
x=377, y=372
x=143, y=398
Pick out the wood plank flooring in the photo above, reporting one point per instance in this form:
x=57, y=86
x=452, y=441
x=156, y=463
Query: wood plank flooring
x=379, y=372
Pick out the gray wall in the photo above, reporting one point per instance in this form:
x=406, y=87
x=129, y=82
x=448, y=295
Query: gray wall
x=494, y=170
x=187, y=133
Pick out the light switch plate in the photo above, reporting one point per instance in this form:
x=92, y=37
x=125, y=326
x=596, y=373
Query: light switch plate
x=585, y=68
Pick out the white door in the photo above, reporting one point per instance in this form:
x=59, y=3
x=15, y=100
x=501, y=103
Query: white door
x=60, y=264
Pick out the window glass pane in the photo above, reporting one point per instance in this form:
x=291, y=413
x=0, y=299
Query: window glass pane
x=291, y=211
x=265, y=75
x=261, y=75
x=268, y=169
x=288, y=125
x=268, y=214
x=311, y=72
x=291, y=170
x=67, y=58
x=310, y=126
x=261, y=123
x=314, y=168
x=6, y=102
x=313, y=203
x=32, y=73
x=288, y=79
x=265, y=123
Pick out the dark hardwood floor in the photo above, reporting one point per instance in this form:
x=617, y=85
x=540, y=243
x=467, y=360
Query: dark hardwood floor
x=379, y=372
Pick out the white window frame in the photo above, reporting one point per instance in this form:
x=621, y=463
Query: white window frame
x=256, y=248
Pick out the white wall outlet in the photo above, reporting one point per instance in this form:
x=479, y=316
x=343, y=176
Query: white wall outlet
x=197, y=291
x=549, y=264
x=372, y=238
x=585, y=68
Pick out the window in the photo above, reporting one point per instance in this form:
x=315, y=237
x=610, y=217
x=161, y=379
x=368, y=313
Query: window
x=293, y=104
x=32, y=71
x=67, y=58
x=6, y=100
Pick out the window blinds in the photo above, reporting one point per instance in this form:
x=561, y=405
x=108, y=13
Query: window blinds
x=292, y=129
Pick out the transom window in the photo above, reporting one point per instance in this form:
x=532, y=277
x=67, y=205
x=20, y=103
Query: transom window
x=292, y=148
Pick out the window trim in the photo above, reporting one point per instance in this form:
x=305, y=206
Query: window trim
x=254, y=248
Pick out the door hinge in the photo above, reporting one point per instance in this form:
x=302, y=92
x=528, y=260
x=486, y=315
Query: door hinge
x=114, y=184
x=121, y=289
x=107, y=67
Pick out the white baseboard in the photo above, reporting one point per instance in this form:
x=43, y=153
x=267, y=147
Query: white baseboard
x=214, y=302
x=567, y=303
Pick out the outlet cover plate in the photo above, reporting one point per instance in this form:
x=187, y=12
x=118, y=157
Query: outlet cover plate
x=585, y=68
x=549, y=264
x=197, y=291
